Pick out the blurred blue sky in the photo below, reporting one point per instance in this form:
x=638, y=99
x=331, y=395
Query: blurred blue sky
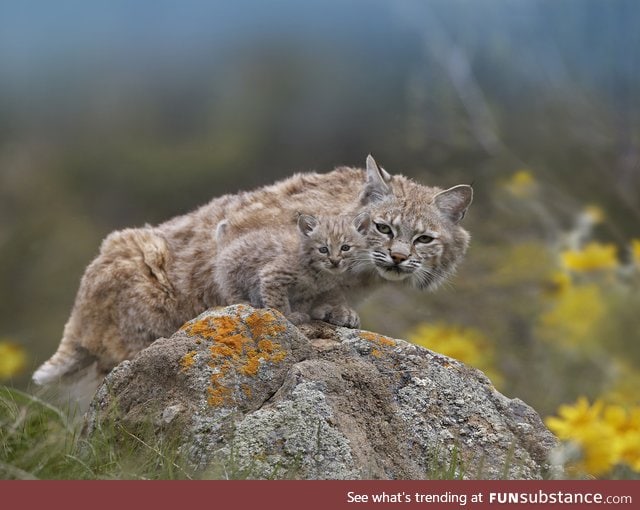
x=327, y=80
x=593, y=41
x=34, y=33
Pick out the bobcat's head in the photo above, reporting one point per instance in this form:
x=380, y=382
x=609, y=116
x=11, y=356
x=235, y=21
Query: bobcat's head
x=334, y=244
x=414, y=234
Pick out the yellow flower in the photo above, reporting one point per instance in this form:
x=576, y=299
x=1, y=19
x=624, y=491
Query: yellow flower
x=600, y=447
x=575, y=314
x=13, y=359
x=627, y=426
x=630, y=449
x=521, y=184
x=465, y=344
x=606, y=435
x=574, y=418
x=593, y=257
x=583, y=424
x=616, y=416
x=635, y=251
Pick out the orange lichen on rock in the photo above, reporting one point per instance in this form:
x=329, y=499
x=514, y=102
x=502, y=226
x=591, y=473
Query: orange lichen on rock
x=272, y=349
x=187, y=360
x=222, y=351
x=225, y=325
x=238, y=347
x=252, y=364
x=218, y=395
x=267, y=351
x=378, y=339
x=262, y=323
x=200, y=328
x=229, y=347
x=211, y=327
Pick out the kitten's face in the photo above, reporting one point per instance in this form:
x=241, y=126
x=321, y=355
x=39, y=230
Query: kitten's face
x=334, y=244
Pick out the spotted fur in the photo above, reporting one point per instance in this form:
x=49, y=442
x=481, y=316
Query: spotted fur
x=297, y=271
x=146, y=282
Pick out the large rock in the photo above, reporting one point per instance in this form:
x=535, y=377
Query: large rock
x=246, y=393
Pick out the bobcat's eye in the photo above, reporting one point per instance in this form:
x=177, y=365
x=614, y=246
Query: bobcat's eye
x=424, y=239
x=383, y=229
x=323, y=249
x=345, y=247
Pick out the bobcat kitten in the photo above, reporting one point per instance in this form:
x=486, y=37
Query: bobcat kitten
x=298, y=272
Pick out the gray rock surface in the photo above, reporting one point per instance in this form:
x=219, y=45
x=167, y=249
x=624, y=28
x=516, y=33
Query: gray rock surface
x=247, y=394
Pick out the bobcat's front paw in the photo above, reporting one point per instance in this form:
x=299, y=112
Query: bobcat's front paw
x=298, y=318
x=339, y=315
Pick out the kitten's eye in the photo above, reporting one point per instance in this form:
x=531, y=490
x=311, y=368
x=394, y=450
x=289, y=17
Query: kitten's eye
x=323, y=249
x=424, y=239
x=345, y=247
x=383, y=229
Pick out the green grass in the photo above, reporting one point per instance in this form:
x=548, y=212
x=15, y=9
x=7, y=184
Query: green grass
x=40, y=441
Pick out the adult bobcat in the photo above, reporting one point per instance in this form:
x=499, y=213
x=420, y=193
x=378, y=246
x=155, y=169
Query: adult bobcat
x=146, y=282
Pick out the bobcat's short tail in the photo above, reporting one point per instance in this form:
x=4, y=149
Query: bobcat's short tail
x=66, y=362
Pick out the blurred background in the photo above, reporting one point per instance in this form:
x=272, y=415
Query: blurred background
x=116, y=114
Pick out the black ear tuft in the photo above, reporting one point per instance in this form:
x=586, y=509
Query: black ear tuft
x=454, y=202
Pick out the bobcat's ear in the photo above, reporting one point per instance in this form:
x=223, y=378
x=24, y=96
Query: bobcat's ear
x=376, y=188
x=307, y=224
x=454, y=202
x=362, y=222
x=221, y=231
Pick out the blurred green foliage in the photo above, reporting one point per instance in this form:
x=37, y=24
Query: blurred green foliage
x=132, y=112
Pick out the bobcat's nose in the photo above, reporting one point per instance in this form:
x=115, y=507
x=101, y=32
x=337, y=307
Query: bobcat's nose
x=334, y=262
x=398, y=257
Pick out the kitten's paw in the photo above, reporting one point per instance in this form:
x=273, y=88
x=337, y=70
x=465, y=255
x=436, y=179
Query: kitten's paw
x=298, y=318
x=339, y=315
x=321, y=312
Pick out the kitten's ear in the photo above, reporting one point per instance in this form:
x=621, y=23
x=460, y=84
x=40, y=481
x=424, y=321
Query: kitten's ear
x=221, y=231
x=307, y=224
x=362, y=222
x=376, y=188
x=453, y=202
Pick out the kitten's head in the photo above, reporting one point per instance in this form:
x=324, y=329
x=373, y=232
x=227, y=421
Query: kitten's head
x=335, y=243
x=415, y=234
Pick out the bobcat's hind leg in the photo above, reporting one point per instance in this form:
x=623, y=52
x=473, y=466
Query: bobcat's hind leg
x=124, y=302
